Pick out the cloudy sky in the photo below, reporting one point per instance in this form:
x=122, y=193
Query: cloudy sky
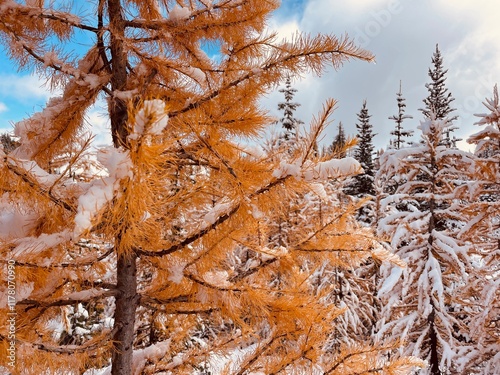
x=401, y=33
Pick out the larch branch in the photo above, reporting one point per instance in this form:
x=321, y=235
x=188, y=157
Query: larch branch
x=39, y=189
x=64, y=301
x=72, y=349
x=66, y=265
x=222, y=219
x=56, y=16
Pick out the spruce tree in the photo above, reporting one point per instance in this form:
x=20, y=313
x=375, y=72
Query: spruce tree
x=439, y=100
x=423, y=218
x=399, y=133
x=337, y=148
x=289, y=122
x=363, y=184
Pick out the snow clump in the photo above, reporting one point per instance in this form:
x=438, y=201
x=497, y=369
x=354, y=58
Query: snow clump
x=151, y=119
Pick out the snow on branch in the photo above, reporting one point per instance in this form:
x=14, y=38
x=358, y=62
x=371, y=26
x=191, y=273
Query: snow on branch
x=102, y=191
x=217, y=211
x=493, y=105
x=219, y=278
x=31, y=246
x=32, y=180
x=322, y=171
x=428, y=127
x=151, y=119
x=390, y=281
x=382, y=252
x=65, y=18
x=43, y=178
x=152, y=353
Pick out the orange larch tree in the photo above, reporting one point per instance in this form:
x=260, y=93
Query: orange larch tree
x=483, y=230
x=156, y=259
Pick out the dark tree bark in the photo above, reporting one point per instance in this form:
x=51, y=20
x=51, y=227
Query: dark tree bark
x=434, y=359
x=126, y=270
x=434, y=354
x=118, y=109
x=126, y=304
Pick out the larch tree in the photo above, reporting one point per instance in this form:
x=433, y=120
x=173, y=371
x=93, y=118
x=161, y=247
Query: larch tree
x=439, y=100
x=484, y=231
x=139, y=258
x=422, y=220
x=399, y=133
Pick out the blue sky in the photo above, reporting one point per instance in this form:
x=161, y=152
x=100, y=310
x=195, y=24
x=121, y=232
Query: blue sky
x=401, y=33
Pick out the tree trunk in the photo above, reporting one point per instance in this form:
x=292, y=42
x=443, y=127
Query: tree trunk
x=126, y=270
x=117, y=107
x=126, y=304
x=434, y=359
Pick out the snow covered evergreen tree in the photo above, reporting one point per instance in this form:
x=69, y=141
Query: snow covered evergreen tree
x=399, y=133
x=422, y=220
x=177, y=199
x=289, y=122
x=385, y=185
x=439, y=100
x=338, y=145
x=362, y=184
x=487, y=141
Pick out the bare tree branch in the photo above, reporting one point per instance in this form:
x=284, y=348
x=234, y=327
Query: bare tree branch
x=66, y=301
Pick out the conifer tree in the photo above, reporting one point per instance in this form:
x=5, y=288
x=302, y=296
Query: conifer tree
x=363, y=184
x=484, y=231
x=422, y=219
x=151, y=244
x=383, y=184
x=487, y=141
x=339, y=142
x=439, y=100
x=289, y=122
x=399, y=133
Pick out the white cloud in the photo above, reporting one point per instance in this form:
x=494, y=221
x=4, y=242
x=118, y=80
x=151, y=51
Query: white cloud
x=23, y=88
x=3, y=107
x=284, y=30
x=97, y=122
